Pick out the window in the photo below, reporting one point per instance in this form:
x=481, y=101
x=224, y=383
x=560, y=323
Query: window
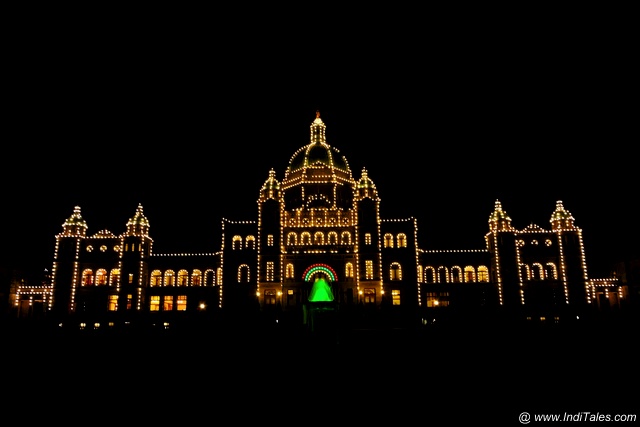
x=369, y=296
x=243, y=273
x=395, y=297
x=456, y=273
x=402, y=240
x=101, y=277
x=289, y=271
x=270, y=297
x=469, y=274
x=367, y=238
x=154, y=303
x=87, y=278
x=435, y=299
x=429, y=275
x=306, y=238
x=368, y=269
x=196, y=278
x=395, y=271
x=113, y=303
x=169, y=278
x=291, y=297
x=181, y=303
x=388, y=241
x=483, y=274
x=167, y=303
x=345, y=238
x=114, y=278
x=270, y=240
x=332, y=237
x=183, y=278
x=156, y=278
x=236, y=243
x=251, y=242
x=270, y=271
x=348, y=270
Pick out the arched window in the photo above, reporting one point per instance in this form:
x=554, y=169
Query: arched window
x=395, y=271
x=388, y=240
x=551, y=271
x=169, y=278
x=101, y=277
x=156, y=278
x=196, y=278
x=345, y=238
x=443, y=275
x=289, y=271
x=251, y=242
x=483, y=273
x=243, y=274
x=209, y=278
x=456, y=274
x=183, y=278
x=348, y=270
x=114, y=277
x=305, y=238
x=237, y=242
x=469, y=274
x=429, y=274
x=292, y=239
x=402, y=240
x=87, y=277
x=318, y=238
x=538, y=271
x=333, y=238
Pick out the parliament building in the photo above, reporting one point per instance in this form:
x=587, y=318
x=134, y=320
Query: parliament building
x=319, y=248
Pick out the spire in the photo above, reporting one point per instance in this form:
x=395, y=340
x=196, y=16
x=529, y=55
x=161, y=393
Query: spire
x=138, y=225
x=561, y=218
x=499, y=220
x=271, y=187
x=318, y=130
x=75, y=225
x=365, y=186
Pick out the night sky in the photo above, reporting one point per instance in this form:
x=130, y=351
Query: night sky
x=192, y=135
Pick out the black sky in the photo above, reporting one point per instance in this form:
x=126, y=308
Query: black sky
x=191, y=130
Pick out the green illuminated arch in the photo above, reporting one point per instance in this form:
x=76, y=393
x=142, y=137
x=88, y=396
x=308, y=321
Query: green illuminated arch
x=309, y=272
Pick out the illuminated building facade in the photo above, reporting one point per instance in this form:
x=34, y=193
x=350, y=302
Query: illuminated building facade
x=320, y=223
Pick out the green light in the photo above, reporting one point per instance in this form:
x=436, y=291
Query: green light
x=320, y=291
x=327, y=270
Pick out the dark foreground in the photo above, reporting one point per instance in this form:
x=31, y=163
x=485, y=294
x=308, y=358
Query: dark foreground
x=402, y=376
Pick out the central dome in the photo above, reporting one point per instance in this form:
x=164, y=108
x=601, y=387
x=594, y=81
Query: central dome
x=317, y=174
x=318, y=155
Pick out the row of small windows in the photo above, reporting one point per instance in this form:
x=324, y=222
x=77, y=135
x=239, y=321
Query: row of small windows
x=455, y=274
x=538, y=271
x=237, y=242
x=101, y=277
x=184, y=278
x=428, y=274
x=158, y=278
x=156, y=303
x=400, y=241
x=133, y=247
x=319, y=238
